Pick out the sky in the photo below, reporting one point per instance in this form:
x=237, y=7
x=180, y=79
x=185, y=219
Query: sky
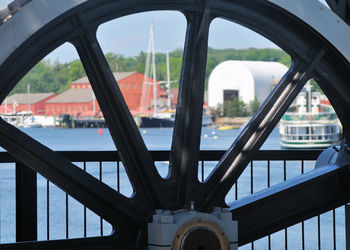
x=129, y=35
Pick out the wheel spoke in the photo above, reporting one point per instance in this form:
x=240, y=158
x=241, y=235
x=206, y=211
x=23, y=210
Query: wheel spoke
x=235, y=160
x=96, y=195
x=187, y=131
x=125, y=134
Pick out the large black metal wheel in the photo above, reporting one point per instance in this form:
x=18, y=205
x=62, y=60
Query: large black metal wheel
x=314, y=55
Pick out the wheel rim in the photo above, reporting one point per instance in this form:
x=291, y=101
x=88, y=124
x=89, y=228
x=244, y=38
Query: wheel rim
x=311, y=54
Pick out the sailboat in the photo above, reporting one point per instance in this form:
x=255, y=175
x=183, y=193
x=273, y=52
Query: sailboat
x=157, y=119
x=31, y=121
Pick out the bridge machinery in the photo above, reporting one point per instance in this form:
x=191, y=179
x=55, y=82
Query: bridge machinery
x=185, y=229
x=316, y=39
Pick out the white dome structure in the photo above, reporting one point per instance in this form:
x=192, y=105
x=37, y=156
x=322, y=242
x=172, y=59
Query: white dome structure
x=243, y=79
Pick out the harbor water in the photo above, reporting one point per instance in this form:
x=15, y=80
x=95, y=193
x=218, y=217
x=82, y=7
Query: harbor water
x=155, y=139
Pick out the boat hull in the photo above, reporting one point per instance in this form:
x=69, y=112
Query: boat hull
x=310, y=145
x=154, y=122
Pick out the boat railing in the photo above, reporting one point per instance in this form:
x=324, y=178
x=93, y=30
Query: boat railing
x=312, y=137
x=268, y=167
x=309, y=116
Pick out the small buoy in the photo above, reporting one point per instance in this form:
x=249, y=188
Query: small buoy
x=100, y=131
x=205, y=136
x=215, y=137
x=213, y=133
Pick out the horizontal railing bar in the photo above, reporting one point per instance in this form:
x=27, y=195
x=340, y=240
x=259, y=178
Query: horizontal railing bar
x=163, y=155
x=215, y=155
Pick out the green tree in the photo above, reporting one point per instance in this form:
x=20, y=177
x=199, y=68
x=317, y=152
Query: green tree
x=61, y=76
x=40, y=78
x=234, y=108
x=57, y=77
x=253, y=106
x=219, y=110
x=315, y=87
x=76, y=70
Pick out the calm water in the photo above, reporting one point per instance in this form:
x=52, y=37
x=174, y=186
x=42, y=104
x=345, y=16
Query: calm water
x=89, y=139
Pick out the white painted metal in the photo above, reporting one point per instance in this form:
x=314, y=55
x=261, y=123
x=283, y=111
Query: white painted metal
x=29, y=20
x=322, y=19
x=250, y=79
x=168, y=227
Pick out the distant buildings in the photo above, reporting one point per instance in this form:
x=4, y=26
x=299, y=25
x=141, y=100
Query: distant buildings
x=80, y=99
x=23, y=102
x=244, y=80
x=72, y=101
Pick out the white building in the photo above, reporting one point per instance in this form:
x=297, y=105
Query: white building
x=243, y=79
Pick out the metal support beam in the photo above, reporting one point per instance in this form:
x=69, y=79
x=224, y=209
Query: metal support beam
x=26, y=201
x=189, y=111
x=97, y=196
x=252, y=137
x=341, y=8
x=137, y=161
x=291, y=202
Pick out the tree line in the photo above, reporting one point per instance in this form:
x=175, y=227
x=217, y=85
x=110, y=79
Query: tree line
x=48, y=76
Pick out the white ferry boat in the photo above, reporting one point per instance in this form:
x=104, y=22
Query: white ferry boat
x=310, y=122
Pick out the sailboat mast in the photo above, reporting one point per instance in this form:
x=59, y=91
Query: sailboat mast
x=14, y=106
x=154, y=74
x=28, y=101
x=168, y=77
x=308, y=97
x=93, y=101
x=145, y=87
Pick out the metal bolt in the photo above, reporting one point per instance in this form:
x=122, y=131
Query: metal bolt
x=159, y=211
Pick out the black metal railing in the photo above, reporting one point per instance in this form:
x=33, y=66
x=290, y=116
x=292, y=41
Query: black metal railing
x=260, y=173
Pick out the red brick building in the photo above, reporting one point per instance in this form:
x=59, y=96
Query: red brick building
x=35, y=102
x=79, y=98
x=73, y=101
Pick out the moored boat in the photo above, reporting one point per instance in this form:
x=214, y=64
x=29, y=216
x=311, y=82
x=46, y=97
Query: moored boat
x=310, y=122
x=159, y=121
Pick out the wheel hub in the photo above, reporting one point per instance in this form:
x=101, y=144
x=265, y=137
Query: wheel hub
x=182, y=230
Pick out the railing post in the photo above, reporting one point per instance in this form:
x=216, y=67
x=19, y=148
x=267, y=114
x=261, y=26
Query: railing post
x=26, y=204
x=347, y=226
